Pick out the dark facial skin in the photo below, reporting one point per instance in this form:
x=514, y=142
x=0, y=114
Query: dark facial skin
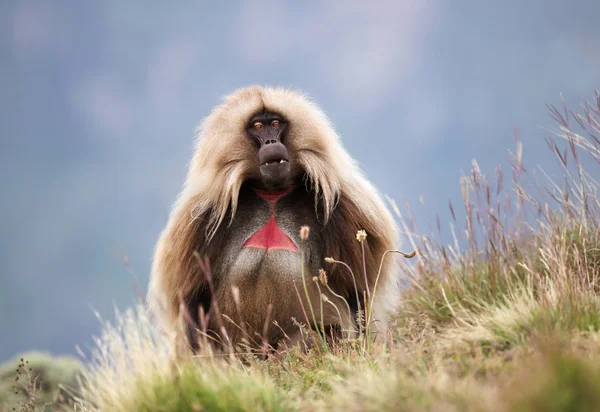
x=267, y=130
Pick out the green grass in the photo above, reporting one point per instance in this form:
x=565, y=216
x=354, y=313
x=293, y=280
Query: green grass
x=569, y=385
x=508, y=321
x=193, y=389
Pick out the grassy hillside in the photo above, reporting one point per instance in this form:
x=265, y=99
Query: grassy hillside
x=34, y=379
x=505, y=318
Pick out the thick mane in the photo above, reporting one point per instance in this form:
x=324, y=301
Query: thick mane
x=223, y=158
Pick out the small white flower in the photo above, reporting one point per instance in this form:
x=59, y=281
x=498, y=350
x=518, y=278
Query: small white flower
x=361, y=235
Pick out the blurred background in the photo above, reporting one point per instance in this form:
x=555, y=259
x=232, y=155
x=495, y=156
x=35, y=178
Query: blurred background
x=99, y=102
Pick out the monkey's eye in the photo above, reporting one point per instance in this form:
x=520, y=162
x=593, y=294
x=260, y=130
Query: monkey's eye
x=257, y=125
x=275, y=123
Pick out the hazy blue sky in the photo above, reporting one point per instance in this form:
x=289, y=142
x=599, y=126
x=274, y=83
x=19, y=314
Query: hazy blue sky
x=99, y=101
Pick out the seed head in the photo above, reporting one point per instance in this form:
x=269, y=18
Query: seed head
x=323, y=276
x=304, y=232
x=361, y=235
x=324, y=298
x=329, y=260
x=315, y=279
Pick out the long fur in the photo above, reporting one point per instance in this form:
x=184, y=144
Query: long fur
x=220, y=164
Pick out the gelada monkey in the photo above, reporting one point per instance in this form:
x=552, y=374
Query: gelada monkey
x=267, y=162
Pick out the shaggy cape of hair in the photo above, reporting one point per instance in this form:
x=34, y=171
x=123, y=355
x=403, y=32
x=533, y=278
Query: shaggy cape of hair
x=221, y=161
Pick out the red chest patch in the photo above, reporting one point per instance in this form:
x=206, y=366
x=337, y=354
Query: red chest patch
x=271, y=236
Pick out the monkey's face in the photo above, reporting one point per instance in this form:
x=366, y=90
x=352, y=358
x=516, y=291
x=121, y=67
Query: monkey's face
x=267, y=131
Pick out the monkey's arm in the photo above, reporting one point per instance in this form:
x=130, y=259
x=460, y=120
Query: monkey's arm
x=176, y=277
x=341, y=244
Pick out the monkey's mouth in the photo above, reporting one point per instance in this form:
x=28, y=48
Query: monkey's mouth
x=273, y=154
x=274, y=162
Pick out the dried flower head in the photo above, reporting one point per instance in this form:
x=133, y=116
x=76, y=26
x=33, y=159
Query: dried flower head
x=329, y=260
x=315, y=279
x=323, y=276
x=360, y=316
x=361, y=235
x=324, y=298
x=304, y=232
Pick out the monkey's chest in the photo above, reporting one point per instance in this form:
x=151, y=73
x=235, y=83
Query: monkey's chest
x=265, y=257
x=271, y=237
x=269, y=234
x=262, y=252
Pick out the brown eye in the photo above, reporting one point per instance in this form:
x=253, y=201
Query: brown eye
x=275, y=123
x=257, y=125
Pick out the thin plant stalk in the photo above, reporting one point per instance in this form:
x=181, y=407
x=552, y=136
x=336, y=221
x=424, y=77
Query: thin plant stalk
x=331, y=260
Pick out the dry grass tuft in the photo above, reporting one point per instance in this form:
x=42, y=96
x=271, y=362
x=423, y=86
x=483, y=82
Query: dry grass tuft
x=506, y=317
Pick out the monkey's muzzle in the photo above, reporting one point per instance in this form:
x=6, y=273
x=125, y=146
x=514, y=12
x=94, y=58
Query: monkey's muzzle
x=274, y=163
